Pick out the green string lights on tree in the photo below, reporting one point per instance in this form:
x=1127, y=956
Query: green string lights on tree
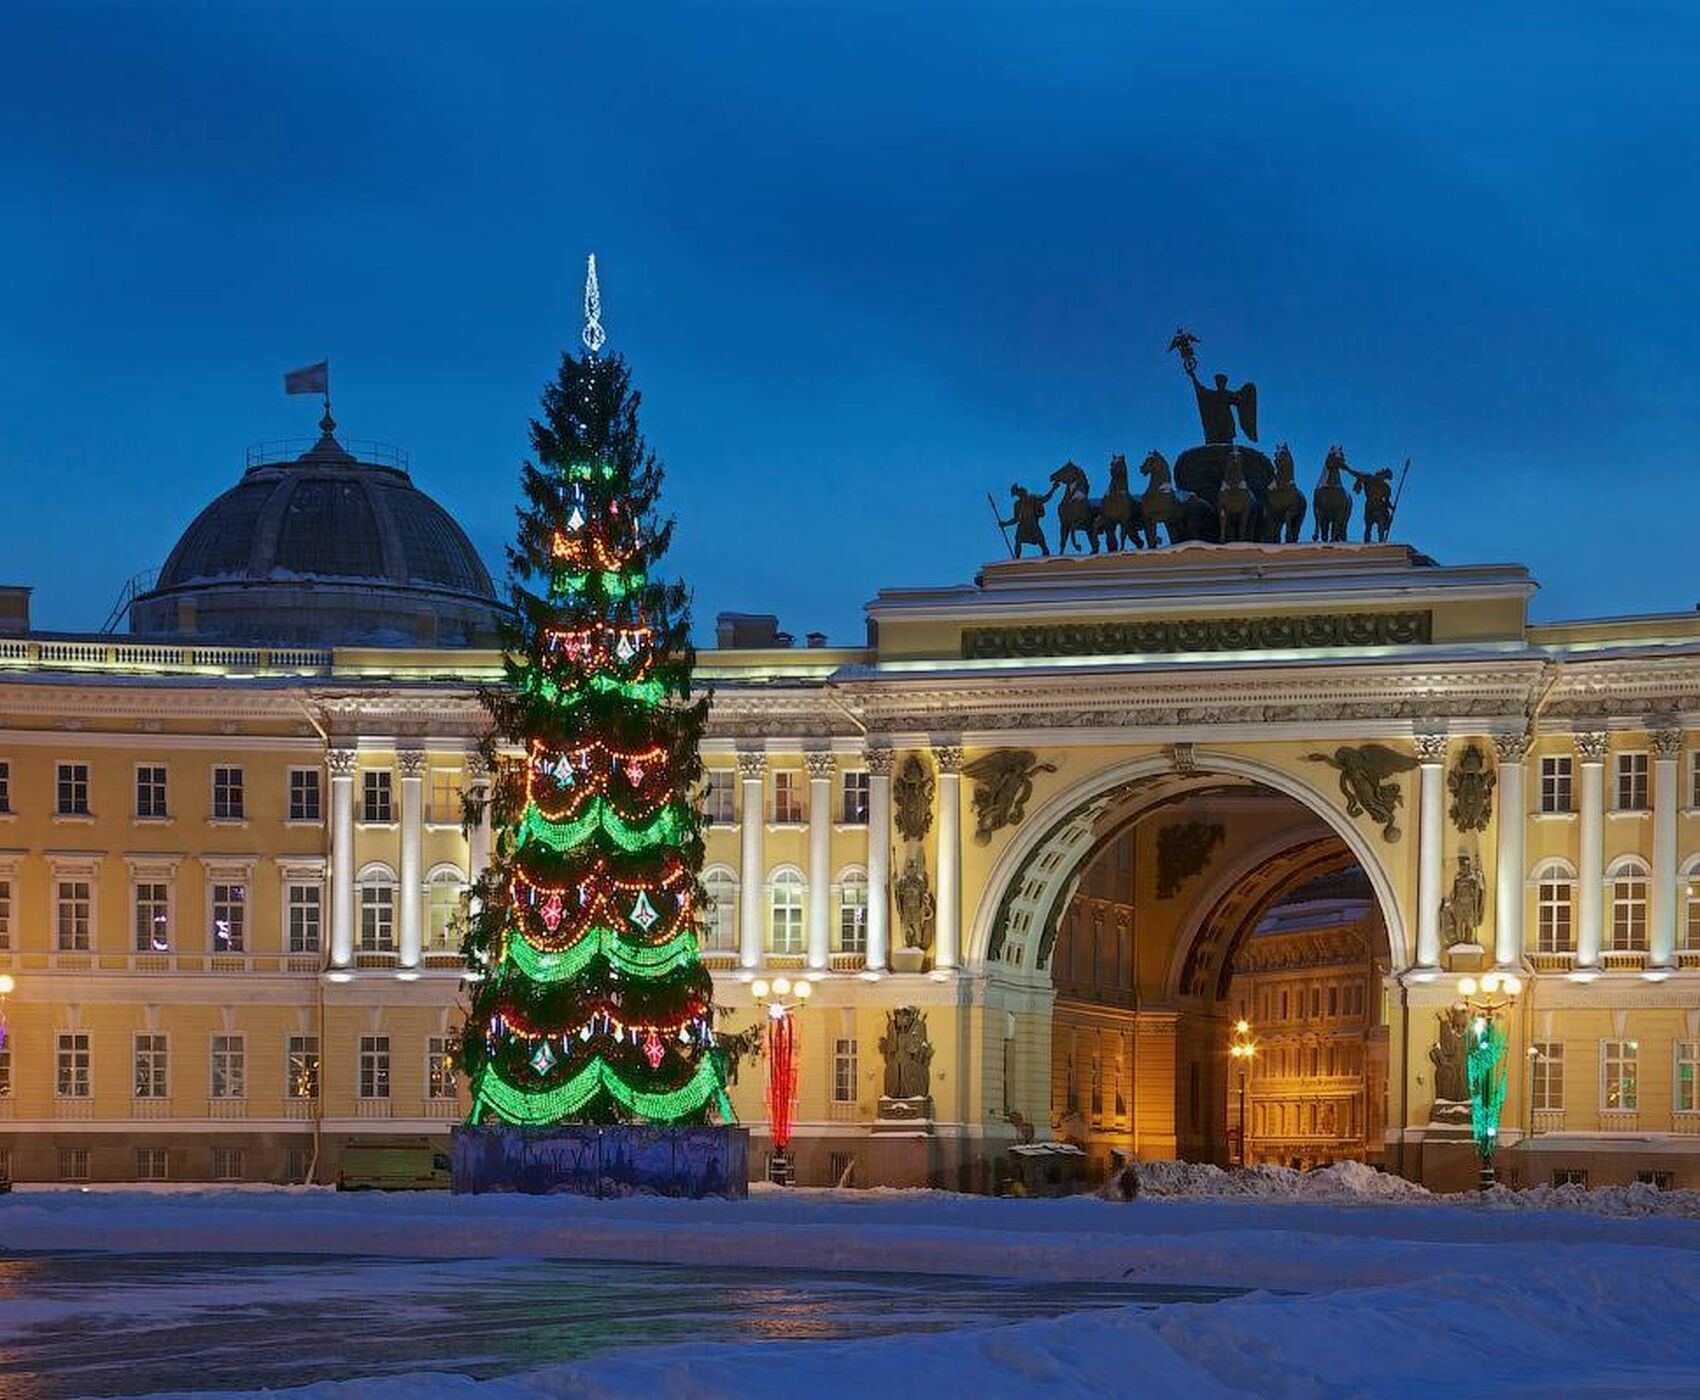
x=1484, y=1063
x=588, y=1000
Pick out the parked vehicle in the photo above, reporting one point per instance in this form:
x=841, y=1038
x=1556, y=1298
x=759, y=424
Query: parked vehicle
x=393, y=1165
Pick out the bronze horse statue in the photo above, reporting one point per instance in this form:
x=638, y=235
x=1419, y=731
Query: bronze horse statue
x=1185, y=516
x=1118, y=512
x=1331, y=504
x=1077, y=512
x=1235, y=505
x=1283, y=504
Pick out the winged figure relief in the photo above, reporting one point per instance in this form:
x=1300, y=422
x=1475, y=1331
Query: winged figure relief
x=1366, y=781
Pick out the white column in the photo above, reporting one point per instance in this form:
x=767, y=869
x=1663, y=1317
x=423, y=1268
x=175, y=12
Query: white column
x=948, y=914
x=1431, y=835
x=1662, y=906
x=478, y=837
x=342, y=857
x=821, y=767
x=879, y=857
x=752, y=818
x=1590, y=859
x=412, y=854
x=1508, y=856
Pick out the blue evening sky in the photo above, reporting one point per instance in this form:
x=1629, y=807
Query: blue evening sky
x=869, y=263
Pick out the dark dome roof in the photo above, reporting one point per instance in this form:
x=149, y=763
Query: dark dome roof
x=325, y=526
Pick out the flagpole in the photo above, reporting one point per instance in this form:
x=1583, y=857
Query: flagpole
x=328, y=423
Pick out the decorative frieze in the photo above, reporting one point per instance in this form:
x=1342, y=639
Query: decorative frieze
x=1275, y=633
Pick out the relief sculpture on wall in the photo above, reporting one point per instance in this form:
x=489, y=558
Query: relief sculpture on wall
x=1366, y=781
x=1003, y=785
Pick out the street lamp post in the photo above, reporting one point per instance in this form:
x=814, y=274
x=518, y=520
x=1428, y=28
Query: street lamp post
x=781, y=1066
x=1243, y=1048
x=1487, y=1000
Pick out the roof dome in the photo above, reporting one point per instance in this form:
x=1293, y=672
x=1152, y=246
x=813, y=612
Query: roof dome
x=323, y=549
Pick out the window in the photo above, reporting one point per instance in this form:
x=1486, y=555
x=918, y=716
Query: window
x=377, y=918
x=1693, y=779
x=1618, y=1075
x=150, y=791
x=151, y=1164
x=787, y=798
x=1555, y=784
x=719, y=799
x=150, y=1067
x=1631, y=782
x=228, y=1163
x=227, y=794
x=445, y=808
x=375, y=796
x=853, y=914
x=6, y=1070
x=1554, y=930
x=73, y=1164
x=153, y=917
x=1570, y=1176
x=301, y=1067
x=1629, y=908
x=73, y=906
x=443, y=914
x=305, y=906
x=1689, y=932
x=73, y=790
x=720, y=917
x=1547, y=1076
x=306, y=796
x=72, y=1081
x=1658, y=1180
x=439, y=1068
x=229, y=917
x=5, y=787
x=374, y=1066
x=856, y=797
x=229, y=1067
x=5, y=913
x=844, y=1071
x=785, y=913
x=1685, y=1095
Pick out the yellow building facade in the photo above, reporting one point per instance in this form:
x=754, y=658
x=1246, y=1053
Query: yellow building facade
x=230, y=876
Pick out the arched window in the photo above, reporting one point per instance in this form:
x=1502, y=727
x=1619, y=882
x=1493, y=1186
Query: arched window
x=1628, y=881
x=377, y=885
x=852, y=912
x=1689, y=891
x=1555, y=928
x=720, y=916
x=785, y=912
x=446, y=892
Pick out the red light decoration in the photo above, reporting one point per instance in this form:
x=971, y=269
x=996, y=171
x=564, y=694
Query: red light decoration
x=781, y=1076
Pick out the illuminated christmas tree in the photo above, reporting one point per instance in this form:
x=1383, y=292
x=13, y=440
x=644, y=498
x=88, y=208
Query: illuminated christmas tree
x=588, y=1001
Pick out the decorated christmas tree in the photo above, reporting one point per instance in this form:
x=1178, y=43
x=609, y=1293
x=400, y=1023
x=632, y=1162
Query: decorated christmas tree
x=588, y=1001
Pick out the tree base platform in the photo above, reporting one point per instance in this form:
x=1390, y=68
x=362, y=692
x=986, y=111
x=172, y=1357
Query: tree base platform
x=621, y=1159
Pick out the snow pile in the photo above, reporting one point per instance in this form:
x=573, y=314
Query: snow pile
x=1339, y=1183
x=1348, y=1182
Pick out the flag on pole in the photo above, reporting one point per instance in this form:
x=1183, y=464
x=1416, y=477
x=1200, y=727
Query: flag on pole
x=314, y=379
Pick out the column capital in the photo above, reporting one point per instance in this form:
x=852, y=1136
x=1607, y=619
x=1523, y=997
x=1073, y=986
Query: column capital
x=948, y=757
x=879, y=761
x=412, y=763
x=821, y=765
x=1431, y=748
x=1667, y=743
x=1592, y=744
x=477, y=770
x=751, y=765
x=341, y=762
x=1511, y=748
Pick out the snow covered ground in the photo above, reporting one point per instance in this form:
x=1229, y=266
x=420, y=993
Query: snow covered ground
x=1354, y=1295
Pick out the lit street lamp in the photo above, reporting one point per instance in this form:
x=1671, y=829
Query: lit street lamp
x=1243, y=1048
x=1484, y=1057
x=781, y=1065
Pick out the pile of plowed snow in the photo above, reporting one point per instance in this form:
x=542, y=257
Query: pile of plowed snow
x=1345, y=1182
